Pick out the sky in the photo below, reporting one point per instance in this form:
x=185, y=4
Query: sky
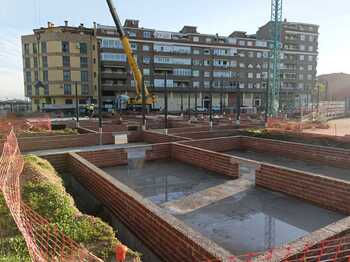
x=19, y=17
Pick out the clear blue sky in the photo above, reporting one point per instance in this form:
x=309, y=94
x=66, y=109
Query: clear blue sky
x=18, y=17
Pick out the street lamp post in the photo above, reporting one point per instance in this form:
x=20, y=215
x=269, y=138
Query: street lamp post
x=99, y=91
x=76, y=105
x=238, y=106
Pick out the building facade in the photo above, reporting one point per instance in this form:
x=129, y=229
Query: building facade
x=201, y=64
x=57, y=60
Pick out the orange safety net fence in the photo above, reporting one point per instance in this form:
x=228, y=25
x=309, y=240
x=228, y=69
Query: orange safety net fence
x=44, y=240
x=35, y=123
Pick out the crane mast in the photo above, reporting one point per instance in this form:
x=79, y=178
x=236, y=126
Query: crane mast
x=275, y=58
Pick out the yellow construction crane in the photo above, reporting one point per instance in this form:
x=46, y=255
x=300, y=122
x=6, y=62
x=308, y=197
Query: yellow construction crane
x=132, y=101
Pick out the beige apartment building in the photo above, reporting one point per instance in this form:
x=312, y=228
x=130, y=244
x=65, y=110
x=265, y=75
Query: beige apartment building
x=56, y=61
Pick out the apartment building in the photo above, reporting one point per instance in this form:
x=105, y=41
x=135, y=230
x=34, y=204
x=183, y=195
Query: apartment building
x=200, y=64
x=57, y=60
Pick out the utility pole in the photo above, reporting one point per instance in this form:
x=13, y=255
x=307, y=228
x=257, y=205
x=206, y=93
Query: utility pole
x=238, y=106
x=76, y=105
x=143, y=97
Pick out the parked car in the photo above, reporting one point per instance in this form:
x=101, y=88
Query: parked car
x=200, y=109
x=216, y=109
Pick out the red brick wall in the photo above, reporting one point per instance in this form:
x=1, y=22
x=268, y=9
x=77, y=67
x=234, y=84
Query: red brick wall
x=167, y=237
x=135, y=136
x=326, y=155
x=221, y=144
x=58, y=161
x=106, y=158
x=158, y=151
x=53, y=142
x=327, y=192
x=154, y=137
x=208, y=134
x=209, y=160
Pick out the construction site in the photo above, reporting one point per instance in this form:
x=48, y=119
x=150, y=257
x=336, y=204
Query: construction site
x=209, y=184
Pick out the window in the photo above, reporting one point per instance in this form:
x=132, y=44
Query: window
x=311, y=48
x=29, y=90
x=111, y=43
x=302, y=37
x=250, y=66
x=132, y=33
x=196, y=84
x=83, y=62
x=161, y=82
x=84, y=90
x=249, y=43
x=259, y=55
x=302, y=47
x=206, y=52
x=35, y=49
x=301, y=77
x=29, y=77
x=206, y=84
x=133, y=46
x=67, y=90
x=66, y=60
x=43, y=47
x=225, y=51
x=113, y=57
x=44, y=61
x=250, y=75
x=309, y=77
x=35, y=62
x=241, y=65
x=311, y=38
x=68, y=101
x=27, y=62
x=26, y=48
x=309, y=67
x=36, y=75
x=258, y=75
x=196, y=51
x=206, y=62
x=146, y=59
x=241, y=42
x=145, y=48
x=197, y=62
x=265, y=54
x=146, y=72
x=83, y=48
x=172, y=60
x=206, y=74
x=302, y=58
x=147, y=34
x=195, y=39
x=195, y=73
x=65, y=47
x=84, y=75
x=311, y=58
x=66, y=75
x=45, y=76
x=182, y=72
x=208, y=40
x=250, y=54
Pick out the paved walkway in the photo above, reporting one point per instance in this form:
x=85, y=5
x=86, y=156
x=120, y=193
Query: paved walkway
x=338, y=127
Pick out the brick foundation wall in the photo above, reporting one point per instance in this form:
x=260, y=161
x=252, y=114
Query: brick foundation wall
x=58, y=161
x=221, y=144
x=166, y=236
x=158, y=151
x=208, y=134
x=220, y=163
x=106, y=158
x=154, y=137
x=135, y=136
x=319, y=154
x=54, y=142
x=329, y=193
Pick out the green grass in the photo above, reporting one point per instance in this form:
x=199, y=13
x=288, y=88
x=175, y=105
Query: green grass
x=47, y=196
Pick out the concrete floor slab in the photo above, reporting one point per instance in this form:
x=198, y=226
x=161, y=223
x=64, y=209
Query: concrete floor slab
x=257, y=219
x=307, y=166
x=163, y=180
